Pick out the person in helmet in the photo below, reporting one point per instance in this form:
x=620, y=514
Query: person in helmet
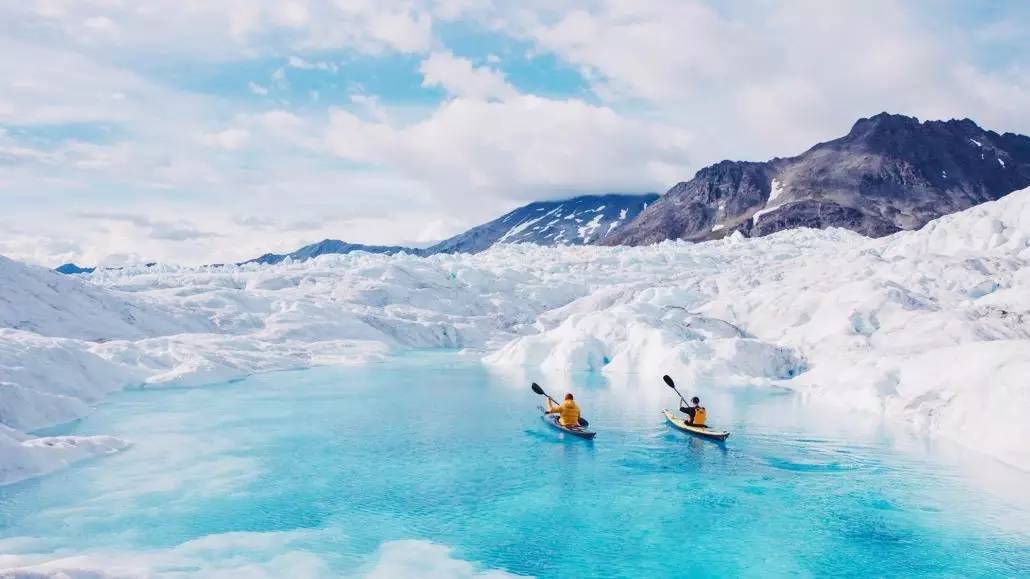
x=567, y=411
x=696, y=414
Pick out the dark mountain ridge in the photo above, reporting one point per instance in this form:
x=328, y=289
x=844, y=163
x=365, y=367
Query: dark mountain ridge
x=889, y=173
x=576, y=221
x=328, y=246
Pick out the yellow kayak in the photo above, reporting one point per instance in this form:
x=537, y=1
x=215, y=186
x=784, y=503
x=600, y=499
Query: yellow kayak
x=702, y=431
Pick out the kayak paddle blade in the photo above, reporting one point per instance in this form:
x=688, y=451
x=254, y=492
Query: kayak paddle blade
x=536, y=388
x=668, y=380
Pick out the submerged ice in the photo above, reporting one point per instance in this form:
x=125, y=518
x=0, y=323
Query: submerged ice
x=931, y=326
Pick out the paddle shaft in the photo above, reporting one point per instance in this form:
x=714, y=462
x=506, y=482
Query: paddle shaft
x=682, y=399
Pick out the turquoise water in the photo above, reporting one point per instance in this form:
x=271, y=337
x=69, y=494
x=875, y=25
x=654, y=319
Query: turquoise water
x=330, y=464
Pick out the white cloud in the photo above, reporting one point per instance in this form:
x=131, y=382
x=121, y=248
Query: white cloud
x=451, y=10
x=172, y=232
x=229, y=139
x=434, y=230
x=298, y=62
x=762, y=79
x=298, y=194
x=224, y=30
x=674, y=85
x=178, y=230
x=525, y=147
x=50, y=251
x=283, y=127
x=460, y=78
x=257, y=89
x=100, y=23
x=290, y=14
x=651, y=49
x=405, y=29
x=370, y=105
x=502, y=145
x=279, y=79
x=49, y=85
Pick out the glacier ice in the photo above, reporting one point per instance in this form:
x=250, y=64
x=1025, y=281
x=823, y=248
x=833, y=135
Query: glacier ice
x=929, y=326
x=300, y=553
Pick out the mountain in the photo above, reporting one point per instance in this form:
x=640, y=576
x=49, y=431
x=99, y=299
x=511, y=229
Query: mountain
x=74, y=269
x=330, y=246
x=576, y=221
x=890, y=173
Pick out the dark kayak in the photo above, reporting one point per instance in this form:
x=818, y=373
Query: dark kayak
x=702, y=431
x=552, y=420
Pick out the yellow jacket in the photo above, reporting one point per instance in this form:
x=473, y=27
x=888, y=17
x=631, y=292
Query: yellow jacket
x=567, y=411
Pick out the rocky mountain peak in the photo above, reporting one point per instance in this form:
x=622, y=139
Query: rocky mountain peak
x=890, y=172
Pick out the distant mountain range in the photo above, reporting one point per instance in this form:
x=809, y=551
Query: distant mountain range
x=329, y=246
x=577, y=221
x=889, y=173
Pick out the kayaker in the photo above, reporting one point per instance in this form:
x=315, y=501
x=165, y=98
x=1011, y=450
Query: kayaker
x=695, y=412
x=567, y=411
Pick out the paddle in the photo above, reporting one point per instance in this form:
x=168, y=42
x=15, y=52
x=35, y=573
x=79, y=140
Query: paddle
x=668, y=380
x=536, y=388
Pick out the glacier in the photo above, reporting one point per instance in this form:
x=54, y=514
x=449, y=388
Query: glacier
x=929, y=327
x=257, y=555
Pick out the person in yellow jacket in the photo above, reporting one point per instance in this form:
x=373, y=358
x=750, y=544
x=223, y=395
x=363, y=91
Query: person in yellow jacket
x=696, y=414
x=567, y=411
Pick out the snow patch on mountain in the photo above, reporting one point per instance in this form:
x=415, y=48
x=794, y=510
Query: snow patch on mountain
x=771, y=205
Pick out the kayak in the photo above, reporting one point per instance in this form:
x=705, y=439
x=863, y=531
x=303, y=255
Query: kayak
x=552, y=420
x=702, y=431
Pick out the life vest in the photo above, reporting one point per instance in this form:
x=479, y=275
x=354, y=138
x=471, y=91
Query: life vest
x=699, y=416
x=568, y=413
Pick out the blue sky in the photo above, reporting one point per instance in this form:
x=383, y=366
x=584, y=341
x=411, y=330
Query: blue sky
x=218, y=131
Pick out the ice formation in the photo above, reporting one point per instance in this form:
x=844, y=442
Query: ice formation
x=298, y=554
x=931, y=326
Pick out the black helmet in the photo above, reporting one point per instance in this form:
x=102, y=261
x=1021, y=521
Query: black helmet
x=696, y=400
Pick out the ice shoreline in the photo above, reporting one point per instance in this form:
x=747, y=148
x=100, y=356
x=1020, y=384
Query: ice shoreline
x=251, y=554
x=931, y=327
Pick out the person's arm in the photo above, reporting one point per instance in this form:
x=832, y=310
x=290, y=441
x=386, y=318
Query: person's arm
x=689, y=411
x=552, y=408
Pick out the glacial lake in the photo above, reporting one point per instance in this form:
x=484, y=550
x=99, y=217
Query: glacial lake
x=432, y=463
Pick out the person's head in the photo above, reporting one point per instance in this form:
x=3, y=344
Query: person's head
x=695, y=401
x=568, y=396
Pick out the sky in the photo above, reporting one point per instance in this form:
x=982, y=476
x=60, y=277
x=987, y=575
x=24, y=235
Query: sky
x=200, y=131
